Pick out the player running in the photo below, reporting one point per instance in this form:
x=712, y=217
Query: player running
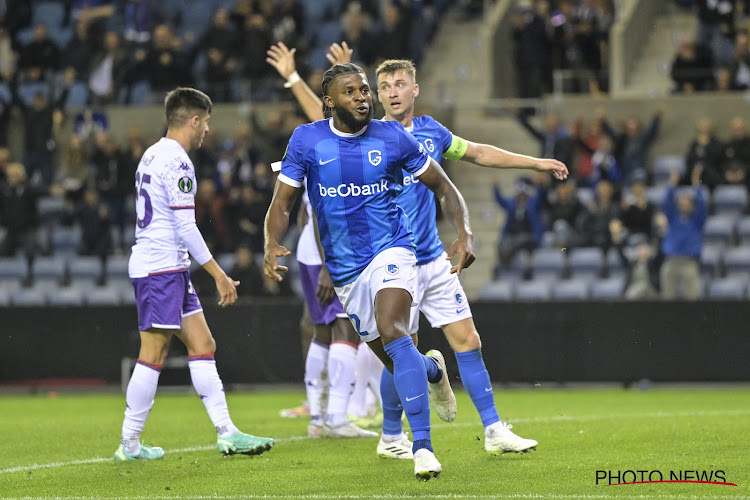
x=159, y=270
x=353, y=168
x=440, y=296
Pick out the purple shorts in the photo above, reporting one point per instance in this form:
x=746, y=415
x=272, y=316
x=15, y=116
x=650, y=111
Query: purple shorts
x=164, y=299
x=320, y=314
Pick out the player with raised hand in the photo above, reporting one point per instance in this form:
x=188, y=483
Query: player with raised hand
x=159, y=270
x=440, y=295
x=353, y=168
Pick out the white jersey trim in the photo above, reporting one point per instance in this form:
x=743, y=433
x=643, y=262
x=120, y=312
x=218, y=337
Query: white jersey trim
x=423, y=169
x=289, y=181
x=346, y=134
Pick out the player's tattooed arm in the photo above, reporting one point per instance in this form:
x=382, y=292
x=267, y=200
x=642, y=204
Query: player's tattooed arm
x=454, y=207
x=277, y=221
x=282, y=58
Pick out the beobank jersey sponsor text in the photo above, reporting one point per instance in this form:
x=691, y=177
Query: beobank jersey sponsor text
x=351, y=189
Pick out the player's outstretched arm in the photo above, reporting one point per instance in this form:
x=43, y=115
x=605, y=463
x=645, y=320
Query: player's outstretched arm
x=339, y=54
x=454, y=207
x=282, y=58
x=487, y=155
x=277, y=221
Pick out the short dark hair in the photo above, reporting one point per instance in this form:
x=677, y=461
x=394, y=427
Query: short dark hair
x=334, y=72
x=181, y=104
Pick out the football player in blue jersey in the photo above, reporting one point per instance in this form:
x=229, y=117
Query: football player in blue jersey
x=440, y=295
x=353, y=168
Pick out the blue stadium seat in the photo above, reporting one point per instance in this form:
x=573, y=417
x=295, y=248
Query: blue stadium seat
x=536, y=290
x=608, y=289
x=27, y=91
x=737, y=261
x=574, y=289
x=140, y=93
x=548, y=263
x=48, y=269
x=110, y=295
x=730, y=199
x=664, y=165
x=51, y=208
x=719, y=228
x=85, y=268
x=5, y=297
x=586, y=262
x=497, y=290
x=743, y=230
x=25, y=36
x=727, y=289
x=197, y=16
x=65, y=296
x=615, y=267
x=30, y=297
x=61, y=36
x=13, y=268
x=66, y=239
x=51, y=14
x=117, y=267
x=655, y=194
x=78, y=96
x=710, y=259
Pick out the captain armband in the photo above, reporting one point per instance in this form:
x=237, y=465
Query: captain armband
x=457, y=149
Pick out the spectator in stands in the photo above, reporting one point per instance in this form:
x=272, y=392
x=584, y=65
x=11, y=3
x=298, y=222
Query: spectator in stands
x=17, y=16
x=95, y=14
x=524, y=227
x=113, y=177
x=108, y=70
x=79, y=51
x=739, y=65
x=393, y=37
x=219, y=43
x=637, y=214
x=6, y=105
x=642, y=266
x=683, y=242
x=737, y=154
x=724, y=79
x=563, y=210
x=165, y=64
x=74, y=160
x=263, y=181
x=692, y=68
x=41, y=52
x=531, y=48
x=93, y=216
x=716, y=27
x=272, y=136
x=706, y=152
x=8, y=55
x=604, y=166
x=255, y=38
x=593, y=225
x=18, y=212
x=209, y=216
x=553, y=139
x=357, y=31
x=246, y=156
x=248, y=273
x=89, y=123
x=5, y=160
x=588, y=143
x=246, y=212
x=632, y=145
x=141, y=17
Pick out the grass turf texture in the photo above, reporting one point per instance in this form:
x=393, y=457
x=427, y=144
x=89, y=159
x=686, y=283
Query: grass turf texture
x=62, y=448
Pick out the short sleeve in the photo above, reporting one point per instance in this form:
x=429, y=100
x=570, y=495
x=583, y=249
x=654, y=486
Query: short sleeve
x=413, y=154
x=292, y=165
x=443, y=136
x=178, y=178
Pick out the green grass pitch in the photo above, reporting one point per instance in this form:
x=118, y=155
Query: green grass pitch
x=61, y=447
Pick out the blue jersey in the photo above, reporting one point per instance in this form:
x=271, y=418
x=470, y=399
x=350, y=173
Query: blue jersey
x=416, y=199
x=353, y=181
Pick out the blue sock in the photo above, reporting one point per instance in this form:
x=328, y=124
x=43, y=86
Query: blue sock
x=411, y=383
x=434, y=374
x=392, y=408
x=476, y=380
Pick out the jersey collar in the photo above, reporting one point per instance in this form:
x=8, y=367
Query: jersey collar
x=409, y=129
x=346, y=134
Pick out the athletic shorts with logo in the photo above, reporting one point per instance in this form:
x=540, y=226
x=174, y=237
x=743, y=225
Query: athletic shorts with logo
x=440, y=296
x=163, y=299
x=319, y=314
x=391, y=268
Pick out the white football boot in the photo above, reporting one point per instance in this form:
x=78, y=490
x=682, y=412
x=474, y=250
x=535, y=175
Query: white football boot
x=401, y=448
x=442, y=398
x=498, y=438
x=426, y=466
x=347, y=430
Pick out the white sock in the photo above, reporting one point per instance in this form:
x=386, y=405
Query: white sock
x=211, y=391
x=139, y=399
x=315, y=364
x=392, y=438
x=374, y=371
x=342, y=358
x=358, y=401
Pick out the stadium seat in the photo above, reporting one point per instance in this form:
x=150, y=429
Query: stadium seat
x=78, y=96
x=30, y=297
x=743, y=230
x=117, y=267
x=608, y=289
x=50, y=208
x=727, y=289
x=84, y=268
x=48, y=269
x=730, y=199
x=548, y=263
x=664, y=165
x=140, y=93
x=655, y=194
x=65, y=296
x=5, y=297
x=50, y=14
x=574, y=289
x=497, y=290
x=536, y=290
x=27, y=91
x=110, y=295
x=737, y=261
x=66, y=240
x=711, y=259
x=13, y=268
x=719, y=228
x=586, y=263
x=614, y=265
x=197, y=16
x=61, y=36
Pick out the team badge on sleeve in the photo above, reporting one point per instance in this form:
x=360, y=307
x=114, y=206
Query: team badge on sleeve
x=185, y=184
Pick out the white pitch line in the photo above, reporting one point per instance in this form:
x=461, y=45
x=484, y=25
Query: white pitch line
x=517, y=496
x=555, y=418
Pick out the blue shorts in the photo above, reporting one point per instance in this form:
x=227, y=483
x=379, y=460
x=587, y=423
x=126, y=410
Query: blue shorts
x=164, y=299
x=319, y=314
